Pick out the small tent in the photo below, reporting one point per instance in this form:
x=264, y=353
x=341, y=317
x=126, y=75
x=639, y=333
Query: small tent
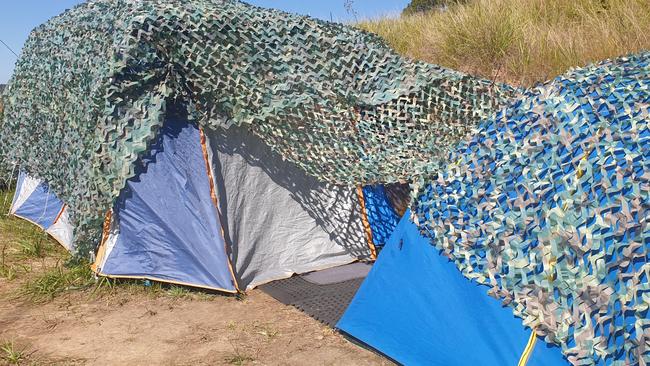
x=34, y=202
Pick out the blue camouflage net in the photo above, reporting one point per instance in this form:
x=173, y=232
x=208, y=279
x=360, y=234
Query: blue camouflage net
x=548, y=203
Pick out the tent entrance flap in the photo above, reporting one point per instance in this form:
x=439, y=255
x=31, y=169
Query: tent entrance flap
x=165, y=225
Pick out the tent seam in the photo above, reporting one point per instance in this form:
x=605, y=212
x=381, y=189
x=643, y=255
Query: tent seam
x=215, y=201
x=366, y=223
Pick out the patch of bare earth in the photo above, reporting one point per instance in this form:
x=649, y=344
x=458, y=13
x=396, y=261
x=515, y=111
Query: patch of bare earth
x=124, y=328
x=128, y=324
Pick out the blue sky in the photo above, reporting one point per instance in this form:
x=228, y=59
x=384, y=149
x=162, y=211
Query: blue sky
x=19, y=17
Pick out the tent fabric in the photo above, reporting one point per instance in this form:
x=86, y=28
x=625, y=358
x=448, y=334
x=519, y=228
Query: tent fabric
x=277, y=219
x=382, y=218
x=338, y=274
x=41, y=207
x=22, y=191
x=36, y=203
x=165, y=224
x=62, y=230
x=418, y=309
x=33, y=201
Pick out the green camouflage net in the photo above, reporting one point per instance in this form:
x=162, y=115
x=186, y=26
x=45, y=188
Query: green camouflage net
x=548, y=203
x=92, y=86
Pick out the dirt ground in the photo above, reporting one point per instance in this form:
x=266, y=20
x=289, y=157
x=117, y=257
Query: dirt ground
x=130, y=324
x=124, y=329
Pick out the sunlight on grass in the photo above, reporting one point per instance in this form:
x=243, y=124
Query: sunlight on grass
x=10, y=354
x=47, y=285
x=520, y=41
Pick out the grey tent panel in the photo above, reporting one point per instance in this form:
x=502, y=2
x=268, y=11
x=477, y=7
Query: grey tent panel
x=277, y=220
x=338, y=274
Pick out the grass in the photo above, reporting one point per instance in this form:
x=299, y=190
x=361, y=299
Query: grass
x=266, y=330
x=47, y=285
x=36, y=247
x=152, y=288
x=10, y=355
x=520, y=41
x=178, y=292
x=238, y=358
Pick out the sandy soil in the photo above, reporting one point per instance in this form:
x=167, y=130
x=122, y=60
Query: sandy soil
x=126, y=328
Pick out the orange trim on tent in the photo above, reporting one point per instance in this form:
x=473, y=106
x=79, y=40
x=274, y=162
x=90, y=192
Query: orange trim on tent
x=60, y=214
x=366, y=223
x=101, y=252
x=40, y=227
x=215, y=201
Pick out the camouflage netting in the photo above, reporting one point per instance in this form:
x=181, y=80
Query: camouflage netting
x=549, y=204
x=92, y=87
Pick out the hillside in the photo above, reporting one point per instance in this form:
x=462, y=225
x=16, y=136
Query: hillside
x=520, y=41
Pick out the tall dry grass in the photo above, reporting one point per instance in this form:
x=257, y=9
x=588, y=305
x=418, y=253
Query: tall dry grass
x=520, y=41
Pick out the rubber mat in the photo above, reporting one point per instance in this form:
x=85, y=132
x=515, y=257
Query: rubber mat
x=325, y=303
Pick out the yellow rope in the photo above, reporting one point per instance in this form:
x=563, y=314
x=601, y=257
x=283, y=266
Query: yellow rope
x=528, y=350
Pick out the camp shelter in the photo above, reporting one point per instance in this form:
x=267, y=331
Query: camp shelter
x=418, y=309
x=333, y=100
x=217, y=144
x=219, y=210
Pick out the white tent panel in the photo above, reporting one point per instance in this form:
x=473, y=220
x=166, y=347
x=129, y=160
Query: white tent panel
x=109, y=244
x=277, y=220
x=26, y=186
x=62, y=230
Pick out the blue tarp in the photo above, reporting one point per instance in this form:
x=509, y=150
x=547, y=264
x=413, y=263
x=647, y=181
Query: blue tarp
x=381, y=215
x=417, y=308
x=42, y=207
x=169, y=227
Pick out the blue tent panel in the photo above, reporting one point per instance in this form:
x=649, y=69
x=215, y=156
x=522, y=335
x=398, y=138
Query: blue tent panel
x=42, y=207
x=381, y=216
x=417, y=308
x=169, y=228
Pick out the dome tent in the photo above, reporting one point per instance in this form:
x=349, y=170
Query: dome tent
x=311, y=113
x=546, y=208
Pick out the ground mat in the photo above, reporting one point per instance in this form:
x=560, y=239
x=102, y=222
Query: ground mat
x=323, y=302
